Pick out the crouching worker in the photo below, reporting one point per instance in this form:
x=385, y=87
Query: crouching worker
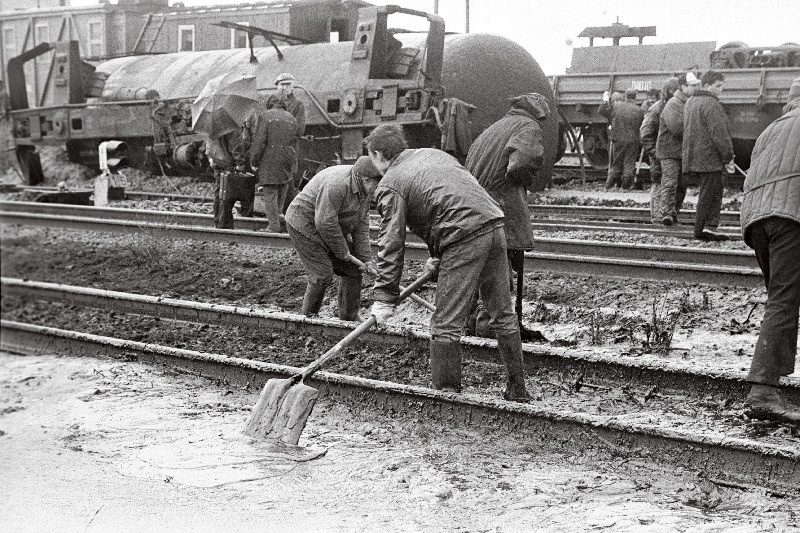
x=328, y=223
x=431, y=193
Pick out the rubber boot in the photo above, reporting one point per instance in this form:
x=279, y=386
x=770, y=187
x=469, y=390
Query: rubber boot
x=349, y=298
x=446, y=365
x=765, y=402
x=312, y=299
x=509, y=346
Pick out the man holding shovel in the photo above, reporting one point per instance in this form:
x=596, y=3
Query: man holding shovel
x=429, y=192
x=328, y=223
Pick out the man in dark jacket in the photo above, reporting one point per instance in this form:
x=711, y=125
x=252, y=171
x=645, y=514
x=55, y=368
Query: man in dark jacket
x=669, y=146
x=707, y=152
x=625, y=118
x=770, y=217
x=427, y=191
x=273, y=154
x=648, y=134
x=328, y=223
x=505, y=159
x=228, y=157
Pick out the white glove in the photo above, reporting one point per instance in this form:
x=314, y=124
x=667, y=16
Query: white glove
x=382, y=311
x=432, y=266
x=606, y=96
x=730, y=168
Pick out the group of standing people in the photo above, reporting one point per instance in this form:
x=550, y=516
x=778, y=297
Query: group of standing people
x=685, y=136
x=262, y=155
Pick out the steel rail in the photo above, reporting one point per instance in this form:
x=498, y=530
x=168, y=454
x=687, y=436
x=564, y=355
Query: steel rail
x=563, y=263
x=640, y=214
x=679, y=254
x=744, y=461
x=613, y=370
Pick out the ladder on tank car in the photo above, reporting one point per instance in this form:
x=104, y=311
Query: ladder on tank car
x=149, y=34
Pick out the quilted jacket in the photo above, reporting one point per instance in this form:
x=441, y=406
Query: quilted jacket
x=772, y=186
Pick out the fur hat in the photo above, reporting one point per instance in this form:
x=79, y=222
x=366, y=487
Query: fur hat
x=630, y=93
x=691, y=79
x=363, y=167
x=284, y=77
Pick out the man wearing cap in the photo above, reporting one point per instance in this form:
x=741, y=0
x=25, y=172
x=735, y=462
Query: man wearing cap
x=707, y=152
x=669, y=145
x=429, y=192
x=505, y=159
x=328, y=223
x=285, y=89
x=770, y=216
x=273, y=153
x=625, y=118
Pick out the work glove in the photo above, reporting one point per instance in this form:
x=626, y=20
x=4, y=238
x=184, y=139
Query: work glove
x=382, y=311
x=370, y=268
x=432, y=267
x=730, y=168
x=606, y=96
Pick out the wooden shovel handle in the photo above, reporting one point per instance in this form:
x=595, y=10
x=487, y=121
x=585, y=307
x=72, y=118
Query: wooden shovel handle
x=364, y=326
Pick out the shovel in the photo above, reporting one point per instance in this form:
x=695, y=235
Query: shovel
x=284, y=406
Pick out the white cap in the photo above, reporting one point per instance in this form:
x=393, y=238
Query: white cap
x=691, y=79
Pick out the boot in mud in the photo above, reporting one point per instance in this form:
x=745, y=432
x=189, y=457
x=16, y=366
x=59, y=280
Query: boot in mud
x=765, y=402
x=446, y=365
x=349, y=298
x=312, y=299
x=510, y=348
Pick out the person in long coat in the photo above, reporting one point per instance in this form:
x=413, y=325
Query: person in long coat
x=770, y=216
x=505, y=159
x=429, y=192
x=273, y=152
x=328, y=223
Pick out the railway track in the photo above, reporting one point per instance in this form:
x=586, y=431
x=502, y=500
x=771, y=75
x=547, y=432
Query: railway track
x=725, y=454
x=570, y=212
x=736, y=268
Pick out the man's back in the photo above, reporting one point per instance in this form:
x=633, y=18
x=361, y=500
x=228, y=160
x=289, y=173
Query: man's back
x=626, y=118
x=707, y=144
x=436, y=197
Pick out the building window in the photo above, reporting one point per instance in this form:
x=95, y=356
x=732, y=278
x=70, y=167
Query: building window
x=238, y=37
x=186, y=38
x=95, y=38
x=9, y=43
x=42, y=35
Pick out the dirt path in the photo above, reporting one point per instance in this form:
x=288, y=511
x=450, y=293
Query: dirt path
x=103, y=445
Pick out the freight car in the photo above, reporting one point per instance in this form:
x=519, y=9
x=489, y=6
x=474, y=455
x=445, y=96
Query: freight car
x=383, y=75
x=757, y=82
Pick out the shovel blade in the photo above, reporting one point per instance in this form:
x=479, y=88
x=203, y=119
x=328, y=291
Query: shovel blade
x=282, y=411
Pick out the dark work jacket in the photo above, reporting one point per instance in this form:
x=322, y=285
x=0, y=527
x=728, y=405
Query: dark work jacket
x=670, y=128
x=626, y=118
x=273, y=149
x=227, y=151
x=707, y=145
x=772, y=186
x=331, y=207
x=428, y=191
x=512, y=144
x=295, y=107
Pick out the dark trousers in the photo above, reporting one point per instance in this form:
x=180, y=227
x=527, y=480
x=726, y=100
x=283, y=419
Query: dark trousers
x=709, y=200
x=223, y=210
x=478, y=262
x=623, y=164
x=673, y=188
x=776, y=242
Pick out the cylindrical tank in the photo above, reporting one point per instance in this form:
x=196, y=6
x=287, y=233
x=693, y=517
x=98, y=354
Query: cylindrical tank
x=486, y=71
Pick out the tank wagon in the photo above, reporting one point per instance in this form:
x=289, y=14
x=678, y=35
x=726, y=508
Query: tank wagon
x=382, y=76
x=757, y=82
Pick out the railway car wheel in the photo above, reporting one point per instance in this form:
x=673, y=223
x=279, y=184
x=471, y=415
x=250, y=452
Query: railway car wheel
x=595, y=146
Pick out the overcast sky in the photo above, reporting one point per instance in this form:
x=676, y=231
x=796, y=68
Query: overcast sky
x=548, y=29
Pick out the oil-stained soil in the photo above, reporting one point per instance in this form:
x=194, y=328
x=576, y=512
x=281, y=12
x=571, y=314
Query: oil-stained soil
x=108, y=445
